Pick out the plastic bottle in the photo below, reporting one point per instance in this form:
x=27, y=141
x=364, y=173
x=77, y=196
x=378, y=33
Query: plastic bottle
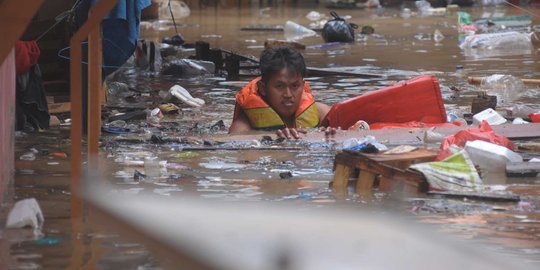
x=460, y=71
x=423, y=6
x=179, y=10
x=154, y=117
x=506, y=43
x=314, y=16
x=438, y=36
x=507, y=88
x=151, y=167
x=519, y=111
x=405, y=13
x=293, y=30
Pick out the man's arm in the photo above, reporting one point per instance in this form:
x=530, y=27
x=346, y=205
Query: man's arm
x=240, y=124
x=323, y=110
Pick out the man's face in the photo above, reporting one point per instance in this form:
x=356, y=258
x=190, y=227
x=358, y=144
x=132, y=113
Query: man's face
x=283, y=92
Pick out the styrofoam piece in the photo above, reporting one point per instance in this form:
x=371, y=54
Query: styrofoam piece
x=489, y=156
x=491, y=116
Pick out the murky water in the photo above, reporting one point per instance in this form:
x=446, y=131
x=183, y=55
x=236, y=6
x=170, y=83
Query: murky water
x=400, y=49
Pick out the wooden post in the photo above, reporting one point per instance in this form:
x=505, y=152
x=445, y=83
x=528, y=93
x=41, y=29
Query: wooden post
x=341, y=177
x=232, y=65
x=365, y=182
x=216, y=57
x=97, y=13
x=202, y=50
x=94, y=90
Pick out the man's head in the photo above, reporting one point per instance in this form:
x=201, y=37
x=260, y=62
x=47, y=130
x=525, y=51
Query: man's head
x=282, y=83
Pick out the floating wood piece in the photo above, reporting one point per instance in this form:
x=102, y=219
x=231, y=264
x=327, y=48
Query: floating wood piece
x=411, y=136
x=232, y=66
x=477, y=196
x=522, y=169
x=202, y=50
x=311, y=71
x=61, y=107
x=390, y=169
x=261, y=27
x=280, y=43
x=482, y=102
x=478, y=80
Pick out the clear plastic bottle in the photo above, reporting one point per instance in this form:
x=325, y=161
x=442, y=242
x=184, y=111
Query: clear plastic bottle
x=294, y=31
x=151, y=167
x=460, y=71
x=423, y=6
x=492, y=44
x=507, y=88
x=438, y=36
x=519, y=111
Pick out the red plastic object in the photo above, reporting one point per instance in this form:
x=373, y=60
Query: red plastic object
x=484, y=133
x=26, y=55
x=535, y=117
x=418, y=99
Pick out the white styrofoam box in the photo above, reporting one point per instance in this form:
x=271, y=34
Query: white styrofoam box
x=491, y=116
x=489, y=156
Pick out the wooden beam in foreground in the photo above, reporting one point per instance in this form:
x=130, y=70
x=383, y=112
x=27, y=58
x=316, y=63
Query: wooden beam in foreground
x=396, y=135
x=15, y=15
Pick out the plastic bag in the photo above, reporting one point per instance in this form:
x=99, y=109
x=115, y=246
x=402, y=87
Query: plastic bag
x=455, y=173
x=25, y=213
x=484, y=133
x=338, y=30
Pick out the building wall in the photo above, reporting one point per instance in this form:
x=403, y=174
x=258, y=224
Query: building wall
x=7, y=130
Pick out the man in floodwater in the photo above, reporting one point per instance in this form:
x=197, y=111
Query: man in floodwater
x=279, y=99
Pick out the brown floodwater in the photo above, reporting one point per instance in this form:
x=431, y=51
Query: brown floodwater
x=400, y=49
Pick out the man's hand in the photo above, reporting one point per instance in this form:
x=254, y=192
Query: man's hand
x=329, y=132
x=290, y=133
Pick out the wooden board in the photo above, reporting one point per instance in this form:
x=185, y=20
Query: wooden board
x=476, y=196
x=59, y=107
x=411, y=136
x=522, y=169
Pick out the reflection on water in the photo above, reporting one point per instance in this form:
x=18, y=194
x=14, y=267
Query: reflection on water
x=401, y=49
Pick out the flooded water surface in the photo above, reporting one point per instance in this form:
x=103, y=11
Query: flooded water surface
x=138, y=163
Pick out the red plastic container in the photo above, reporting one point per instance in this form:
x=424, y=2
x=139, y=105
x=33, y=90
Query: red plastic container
x=535, y=117
x=418, y=99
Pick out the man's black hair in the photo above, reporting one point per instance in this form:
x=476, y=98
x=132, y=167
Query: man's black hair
x=273, y=60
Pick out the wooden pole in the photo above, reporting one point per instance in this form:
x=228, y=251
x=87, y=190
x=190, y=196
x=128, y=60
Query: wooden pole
x=97, y=13
x=94, y=90
x=478, y=80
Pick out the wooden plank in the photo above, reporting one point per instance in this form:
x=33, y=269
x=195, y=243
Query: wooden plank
x=61, y=107
x=14, y=20
x=341, y=177
x=312, y=71
x=478, y=80
x=97, y=13
x=421, y=154
x=522, y=169
x=476, y=196
x=388, y=185
x=365, y=181
x=410, y=136
x=410, y=177
x=94, y=90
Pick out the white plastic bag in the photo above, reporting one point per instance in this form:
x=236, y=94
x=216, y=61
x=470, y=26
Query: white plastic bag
x=25, y=213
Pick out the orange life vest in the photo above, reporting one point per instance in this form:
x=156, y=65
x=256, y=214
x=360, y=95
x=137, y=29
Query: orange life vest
x=262, y=116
